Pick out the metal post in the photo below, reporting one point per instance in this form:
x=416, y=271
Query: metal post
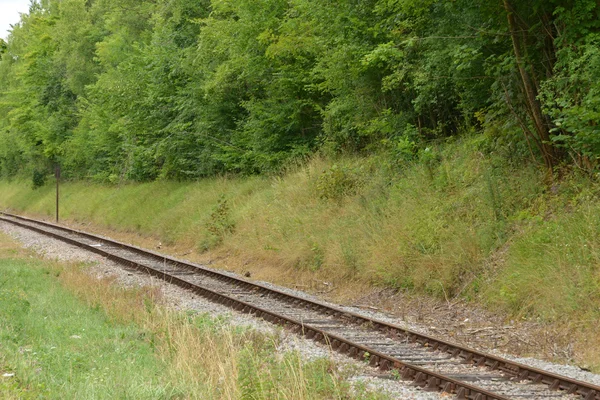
x=57, y=176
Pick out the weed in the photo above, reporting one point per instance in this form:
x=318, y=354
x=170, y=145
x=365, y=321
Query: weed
x=351, y=258
x=493, y=195
x=337, y=182
x=318, y=257
x=219, y=224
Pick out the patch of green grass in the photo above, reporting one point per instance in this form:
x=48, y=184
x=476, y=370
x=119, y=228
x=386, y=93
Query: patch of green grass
x=552, y=269
x=173, y=211
x=59, y=348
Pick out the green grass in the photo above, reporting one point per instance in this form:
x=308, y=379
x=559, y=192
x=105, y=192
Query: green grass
x=552, y=268
x=59, y=348
x=170, y=210
x=422, y=227
x=467, y=219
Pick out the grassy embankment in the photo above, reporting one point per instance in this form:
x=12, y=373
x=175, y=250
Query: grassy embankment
x=64, y=334
x=463, y=221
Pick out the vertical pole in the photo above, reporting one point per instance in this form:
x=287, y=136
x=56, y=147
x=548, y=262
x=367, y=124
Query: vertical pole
x=57, y=176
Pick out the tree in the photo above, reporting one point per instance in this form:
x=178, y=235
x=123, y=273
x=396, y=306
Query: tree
x=138, y=90
x=530, y=84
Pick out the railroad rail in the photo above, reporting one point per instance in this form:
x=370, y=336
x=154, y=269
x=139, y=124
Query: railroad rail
x=431, y=363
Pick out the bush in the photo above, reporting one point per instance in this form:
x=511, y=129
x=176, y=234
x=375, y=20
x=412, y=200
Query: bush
x=337, y=182
x=38, y=179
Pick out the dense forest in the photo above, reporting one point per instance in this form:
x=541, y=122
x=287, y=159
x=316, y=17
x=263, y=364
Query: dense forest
x=117, y=90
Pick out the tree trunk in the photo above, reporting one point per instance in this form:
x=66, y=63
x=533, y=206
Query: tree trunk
x=541, y=128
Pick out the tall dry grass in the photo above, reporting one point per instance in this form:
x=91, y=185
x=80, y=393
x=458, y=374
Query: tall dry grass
x=208, y=357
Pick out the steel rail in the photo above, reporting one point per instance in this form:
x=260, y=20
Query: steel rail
x=424, y=378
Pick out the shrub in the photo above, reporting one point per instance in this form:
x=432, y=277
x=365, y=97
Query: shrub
x=337, y=182
x=38, y=179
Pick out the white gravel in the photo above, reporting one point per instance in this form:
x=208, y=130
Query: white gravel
x=363, y=376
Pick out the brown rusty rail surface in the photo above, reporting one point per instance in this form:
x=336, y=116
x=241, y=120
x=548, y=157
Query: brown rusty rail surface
x=423, y=377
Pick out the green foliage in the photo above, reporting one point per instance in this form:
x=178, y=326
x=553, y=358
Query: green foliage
x=572, y=99
x=137, y=90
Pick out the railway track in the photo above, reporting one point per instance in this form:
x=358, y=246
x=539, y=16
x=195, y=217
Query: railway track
x=431, y=363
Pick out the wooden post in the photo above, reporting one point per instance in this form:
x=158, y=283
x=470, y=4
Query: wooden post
x=57, y=176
